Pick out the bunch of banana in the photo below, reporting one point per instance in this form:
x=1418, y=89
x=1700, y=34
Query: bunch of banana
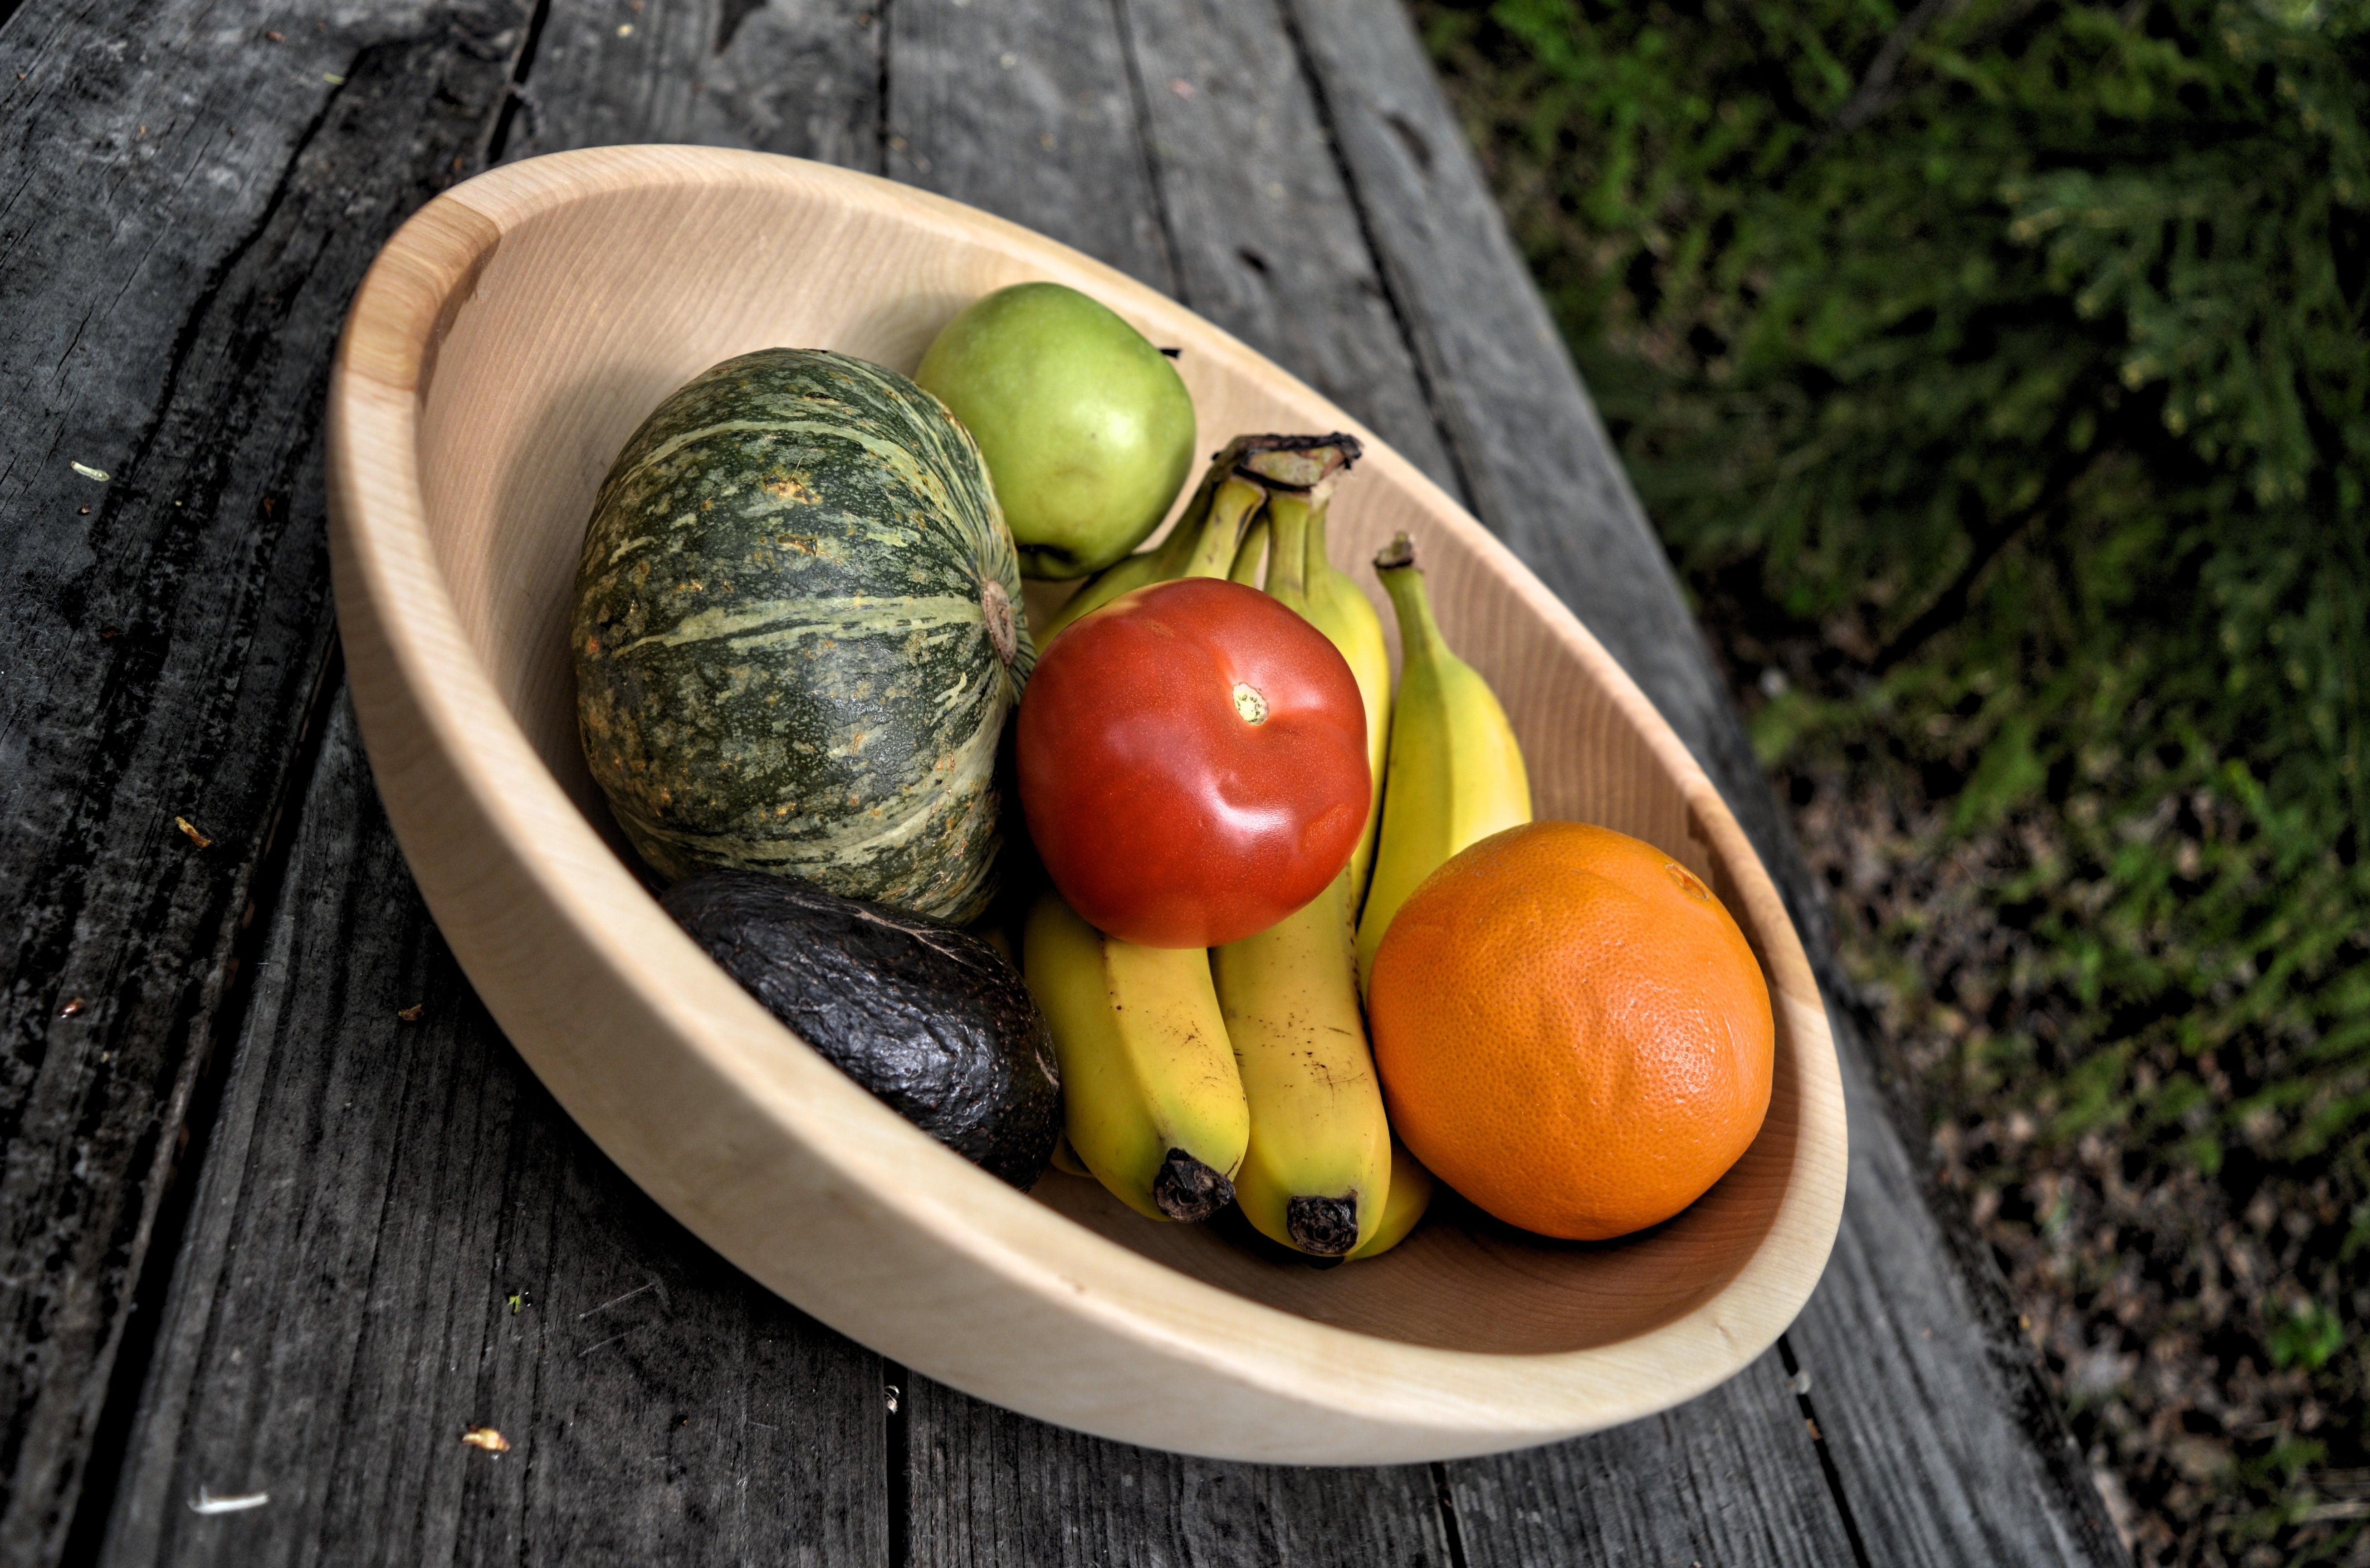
x=1317, y=1173
x=1455, y=775
x=1192, y=1079
x=1152, y=1106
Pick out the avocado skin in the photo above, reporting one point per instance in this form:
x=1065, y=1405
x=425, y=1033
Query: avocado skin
x=928, y=1017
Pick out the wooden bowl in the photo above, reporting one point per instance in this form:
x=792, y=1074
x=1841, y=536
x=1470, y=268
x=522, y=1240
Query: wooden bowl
x=505, y=345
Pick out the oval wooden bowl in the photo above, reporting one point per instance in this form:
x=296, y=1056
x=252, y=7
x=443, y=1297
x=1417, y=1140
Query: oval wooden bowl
x=505, y=345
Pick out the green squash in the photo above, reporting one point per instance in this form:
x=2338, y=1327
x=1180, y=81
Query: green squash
x=797, y=634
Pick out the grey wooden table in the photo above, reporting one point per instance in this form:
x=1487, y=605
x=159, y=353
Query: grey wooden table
x=269, y=1232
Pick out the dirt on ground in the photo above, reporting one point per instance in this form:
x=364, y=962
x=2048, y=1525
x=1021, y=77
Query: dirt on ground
x=2161, y=1299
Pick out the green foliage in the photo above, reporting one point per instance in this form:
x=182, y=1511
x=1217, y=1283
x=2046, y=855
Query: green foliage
x=2308, y=1338
x=1997, y=372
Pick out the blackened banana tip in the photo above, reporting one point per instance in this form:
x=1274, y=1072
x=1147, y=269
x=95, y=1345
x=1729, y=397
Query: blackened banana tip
x=1188, y=1189
x=1327, y=1228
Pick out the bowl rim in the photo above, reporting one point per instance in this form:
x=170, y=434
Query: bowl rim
x=453, y=764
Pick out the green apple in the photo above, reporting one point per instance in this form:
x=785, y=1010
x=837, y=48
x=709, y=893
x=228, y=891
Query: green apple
x=1087, y=430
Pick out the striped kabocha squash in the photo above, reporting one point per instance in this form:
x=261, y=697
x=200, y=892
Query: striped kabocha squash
x=797, y=633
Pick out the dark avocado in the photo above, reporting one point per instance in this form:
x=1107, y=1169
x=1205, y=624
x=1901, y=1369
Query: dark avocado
x=926, y=1017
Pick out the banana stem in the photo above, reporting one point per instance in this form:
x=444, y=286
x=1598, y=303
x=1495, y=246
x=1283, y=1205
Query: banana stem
x=1299, y=462
x=1232, y=508
x=1287, y=555
x=1247, y=560
x=1284, y=462
x=1403, y=581
x=1176, y=549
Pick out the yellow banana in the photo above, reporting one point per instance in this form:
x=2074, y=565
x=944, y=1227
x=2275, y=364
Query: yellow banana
x=1343, y=613
x=1319, y=1167
x=1151, y=1102
x=1410, y=1194
x=1289, y=516
x=1456, y=774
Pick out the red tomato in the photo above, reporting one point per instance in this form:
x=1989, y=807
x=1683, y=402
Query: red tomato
x=1192, y=762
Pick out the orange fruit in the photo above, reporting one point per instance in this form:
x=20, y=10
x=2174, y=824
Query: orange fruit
x=1571, y=1030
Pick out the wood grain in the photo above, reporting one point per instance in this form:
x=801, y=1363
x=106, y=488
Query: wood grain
x=990, y=1488
x=1728, y=1479
x=1536, y=466
x=1927, y=1394
x=1265, y=228
x=379, y=1191
x=185, y=206
x=799, y=79
x=1207, y=148
x=616, y=1470
x=1214, y=142
x=1039, y=104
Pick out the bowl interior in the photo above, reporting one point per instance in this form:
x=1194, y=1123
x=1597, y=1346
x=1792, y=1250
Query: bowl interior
x=593, y=307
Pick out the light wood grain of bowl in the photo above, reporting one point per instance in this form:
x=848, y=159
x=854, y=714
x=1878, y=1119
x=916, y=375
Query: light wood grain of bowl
x=504, y=345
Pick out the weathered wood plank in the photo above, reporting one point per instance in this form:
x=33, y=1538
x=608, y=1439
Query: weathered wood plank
x=185, y=206
x=800, y=79
x=1538, y=467
x=1951, y=1449
x=1692, y=1485
x=1028, y=109
x=1946, y=1450
x=1265, y=228
x=987, y=1486
x=378, y=1191
x=992, y=1488
x=660, y=1406
x=1684, y=1466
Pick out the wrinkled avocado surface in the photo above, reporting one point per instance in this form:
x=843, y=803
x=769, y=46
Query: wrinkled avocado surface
x=928, y=1017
